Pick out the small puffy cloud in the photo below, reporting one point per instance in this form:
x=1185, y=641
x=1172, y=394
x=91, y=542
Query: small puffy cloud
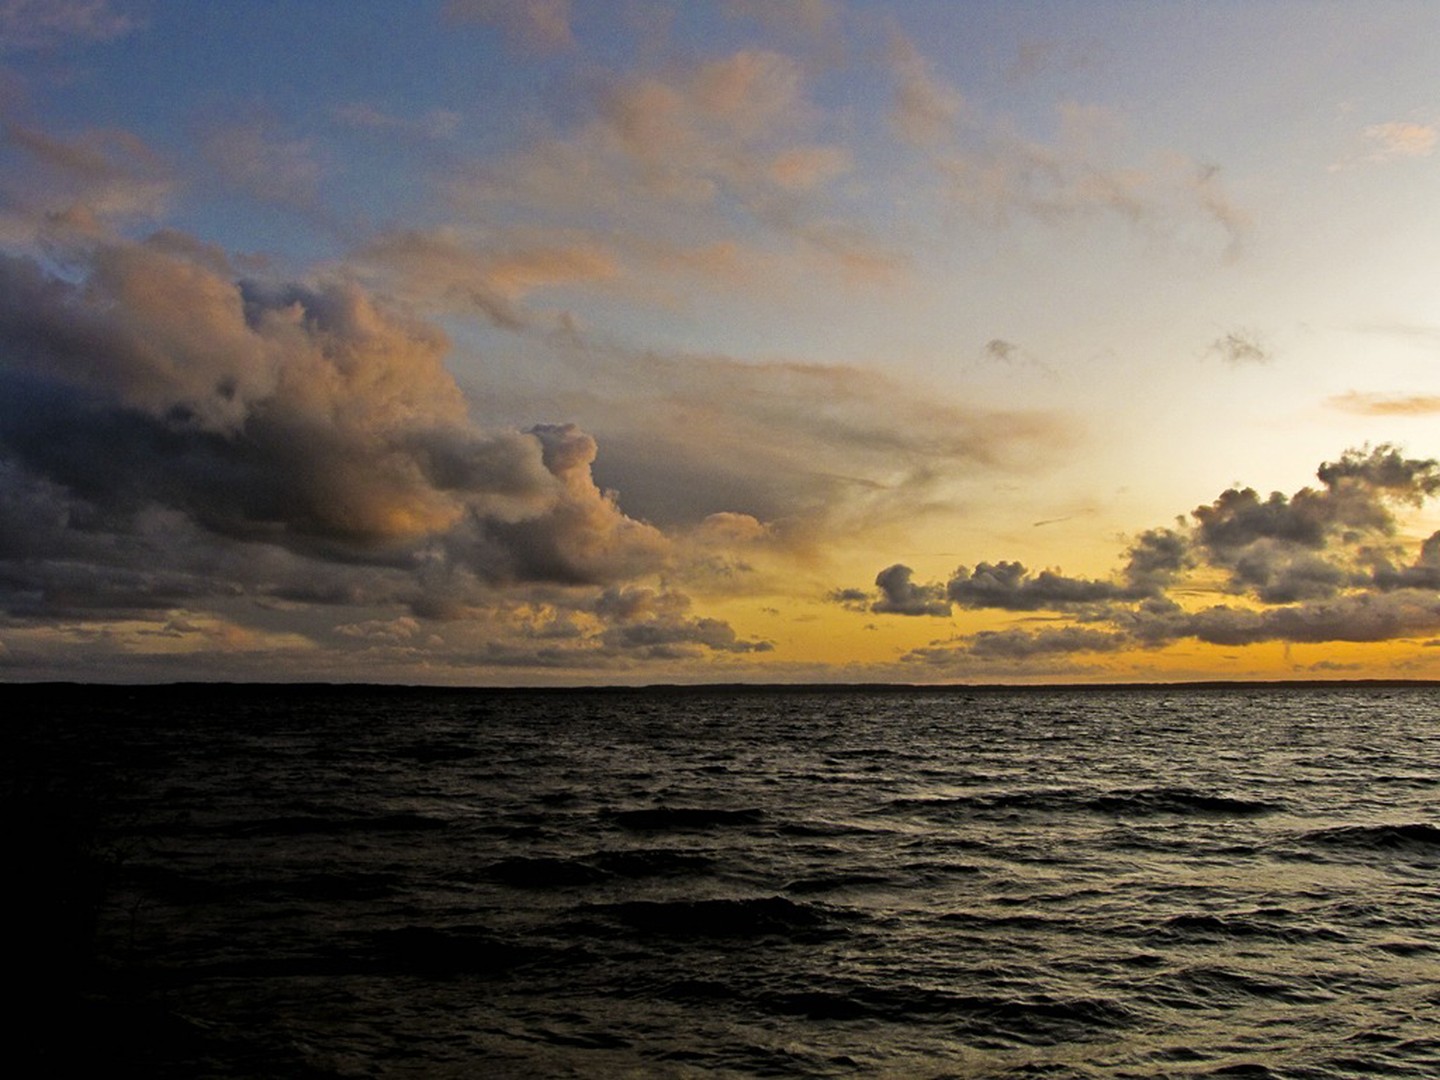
x=901, y=596
x=1002, y=350
x=1239, y=347
x=1157, y=558
x=1011, y=587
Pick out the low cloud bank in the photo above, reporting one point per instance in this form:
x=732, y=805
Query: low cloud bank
x=1323, y=564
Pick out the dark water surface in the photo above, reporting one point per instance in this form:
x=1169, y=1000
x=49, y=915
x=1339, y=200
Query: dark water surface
x=226, y=882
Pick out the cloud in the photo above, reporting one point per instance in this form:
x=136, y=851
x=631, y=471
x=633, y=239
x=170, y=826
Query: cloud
x=1240, y=347
x=442, y=269
x=926, y=110
x=999, y=349
x=1363, y=617
x=1396, y=139
x=681, y=160
x=1011, y=587
x=36, y=24
x=820, y=450
x=988, y=166
x=810, y=18
x=1320, y=565
x=253, y=158
x=85, y=183
x=180, y=448
x=1386, y=404
x=1022, y=645
x=304, y=416
x=436, y=124
x=900, y=596
x=655, y=624
x=539, y=25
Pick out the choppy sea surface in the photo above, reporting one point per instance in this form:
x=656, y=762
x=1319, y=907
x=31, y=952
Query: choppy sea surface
x=355, y=882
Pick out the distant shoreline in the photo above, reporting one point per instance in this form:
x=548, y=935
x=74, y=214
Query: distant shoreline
x=321, y=687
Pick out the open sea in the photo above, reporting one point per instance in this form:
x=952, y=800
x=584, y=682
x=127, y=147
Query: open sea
x=221, y=881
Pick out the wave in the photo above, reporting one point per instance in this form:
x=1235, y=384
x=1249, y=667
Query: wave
x=902, y=1002
x=542, y=872
x=1415, y=836
x=305, y=825
x=667, y=818
x=831, y=882
x=715, y=918
x=1121, y=802
x=650, y=862
x=1278, y=924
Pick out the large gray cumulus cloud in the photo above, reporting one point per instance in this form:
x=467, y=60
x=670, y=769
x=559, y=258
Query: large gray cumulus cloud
x=171, y=436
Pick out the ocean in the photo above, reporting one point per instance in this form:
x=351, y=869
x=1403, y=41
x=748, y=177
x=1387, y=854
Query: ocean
x=226, y=881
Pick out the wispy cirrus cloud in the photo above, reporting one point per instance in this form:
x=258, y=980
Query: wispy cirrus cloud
x=37, y=24
x=1396, y=139
x=1369, y=404
x=1389, y=142
x=538, y=25
x=987, y=165
x=89, y=182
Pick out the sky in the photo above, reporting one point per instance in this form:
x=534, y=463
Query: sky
x=523, y=342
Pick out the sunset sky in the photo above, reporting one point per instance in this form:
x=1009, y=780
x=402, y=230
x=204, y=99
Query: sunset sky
x=580, y=341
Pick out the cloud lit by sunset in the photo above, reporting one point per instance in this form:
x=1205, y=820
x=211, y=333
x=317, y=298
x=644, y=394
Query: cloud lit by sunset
x=634, y=342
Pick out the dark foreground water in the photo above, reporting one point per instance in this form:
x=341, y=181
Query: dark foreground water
x=1144, y=883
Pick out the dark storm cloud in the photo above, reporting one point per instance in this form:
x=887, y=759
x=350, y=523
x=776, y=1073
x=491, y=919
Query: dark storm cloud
x=1323, y=564
x=305, y=417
